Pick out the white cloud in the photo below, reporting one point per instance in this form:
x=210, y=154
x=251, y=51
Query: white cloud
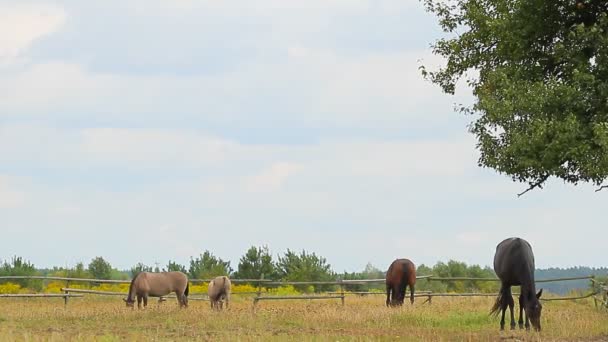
x=314, y=87
x=133, y=146
x=21, y=25
x=375, y=169
x=273, y=177
x=10, y=198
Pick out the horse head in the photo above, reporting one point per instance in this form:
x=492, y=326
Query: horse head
x=533, y=310
x=130, y=302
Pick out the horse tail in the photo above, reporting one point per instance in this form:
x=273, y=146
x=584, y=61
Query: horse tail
x=187, y=290
x=496, y=307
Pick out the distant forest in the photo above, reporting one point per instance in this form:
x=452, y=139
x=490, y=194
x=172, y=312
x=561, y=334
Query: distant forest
x=258, y=262
x=564, y=287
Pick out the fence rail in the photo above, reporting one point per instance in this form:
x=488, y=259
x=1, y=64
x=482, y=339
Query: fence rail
x=600, y=296
x=114, y=293
x=37, y=295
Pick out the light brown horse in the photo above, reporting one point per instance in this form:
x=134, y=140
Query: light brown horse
x=218, y=291
x=148, y=284
x=401, y=274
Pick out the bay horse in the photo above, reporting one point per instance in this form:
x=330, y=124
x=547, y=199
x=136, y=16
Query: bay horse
x=401, y=274
x=514, y=265
x=218, y=291
x=148, y=284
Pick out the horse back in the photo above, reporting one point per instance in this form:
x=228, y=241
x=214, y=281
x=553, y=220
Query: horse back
x=160, y=284
x=219, y=287
x=399, y=271
x=514, y=261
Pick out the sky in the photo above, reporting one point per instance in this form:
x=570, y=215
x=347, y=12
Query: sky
x=149, y=131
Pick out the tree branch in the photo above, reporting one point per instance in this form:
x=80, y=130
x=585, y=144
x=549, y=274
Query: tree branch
x=601, y=187
x=537, y=184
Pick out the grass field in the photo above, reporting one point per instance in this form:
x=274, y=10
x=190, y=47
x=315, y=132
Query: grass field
x=362, y=318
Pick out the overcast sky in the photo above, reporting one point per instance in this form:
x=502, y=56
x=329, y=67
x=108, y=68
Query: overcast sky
x=149, y=130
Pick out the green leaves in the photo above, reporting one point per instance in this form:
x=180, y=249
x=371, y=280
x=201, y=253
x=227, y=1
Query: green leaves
x=99, y=268
x=256, y=262
x=207, y=266
x=304, y=267
x=541, y=95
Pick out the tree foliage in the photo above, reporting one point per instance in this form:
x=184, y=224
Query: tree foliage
x=369, y=272
x=256, y=262
x=140, y=267
x=99, y=268
x=305, y=267
x=542, y=86
x=455, y=268
x=207, y=266
x=18, y=266
x=174, y=266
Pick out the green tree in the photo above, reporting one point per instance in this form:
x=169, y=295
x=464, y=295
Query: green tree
x=18, y=266
x=541, y=85
x=256, y=262
x=426, y=285
x=207, y=266
x=78, y=271
x=369, y=272
x=100, y=268
x=174, y=266
x=305, y=267
x=140, y=267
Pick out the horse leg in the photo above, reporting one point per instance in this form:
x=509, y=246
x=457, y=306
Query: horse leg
x=402, y=289
x=139, y=298
x=180, y=298
x=521, y=312
x=503, y=307
x=145, y=300
x=388, y=295
x=511, y=305
x=412, y=294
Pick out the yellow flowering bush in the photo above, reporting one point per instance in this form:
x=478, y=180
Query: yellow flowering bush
x=10, y=288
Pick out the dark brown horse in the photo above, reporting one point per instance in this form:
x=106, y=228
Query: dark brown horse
x=148, y=284
x=401, y=274
x=514, y=265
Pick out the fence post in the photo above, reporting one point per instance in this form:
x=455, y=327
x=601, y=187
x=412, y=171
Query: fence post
x=342, y=290
x=259, y=294
x=67, y=293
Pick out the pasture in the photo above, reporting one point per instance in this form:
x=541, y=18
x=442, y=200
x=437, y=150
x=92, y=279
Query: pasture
x=362, y=318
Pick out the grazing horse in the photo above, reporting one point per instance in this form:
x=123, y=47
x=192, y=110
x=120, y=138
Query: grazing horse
x=148, y=284
x=514, y=265
x=218, y=291
x=401, y=273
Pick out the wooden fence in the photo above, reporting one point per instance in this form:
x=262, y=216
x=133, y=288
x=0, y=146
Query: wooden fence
x=600, y=296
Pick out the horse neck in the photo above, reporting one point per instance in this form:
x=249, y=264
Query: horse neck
x=528, y=286
x=132, y=287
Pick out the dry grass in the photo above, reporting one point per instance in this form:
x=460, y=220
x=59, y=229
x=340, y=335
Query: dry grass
x=449, y=319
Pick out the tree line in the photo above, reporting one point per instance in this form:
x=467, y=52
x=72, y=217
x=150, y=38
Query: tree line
x=258, y=262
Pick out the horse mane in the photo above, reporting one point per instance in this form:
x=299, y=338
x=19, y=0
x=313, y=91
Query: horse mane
x=130, y=297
